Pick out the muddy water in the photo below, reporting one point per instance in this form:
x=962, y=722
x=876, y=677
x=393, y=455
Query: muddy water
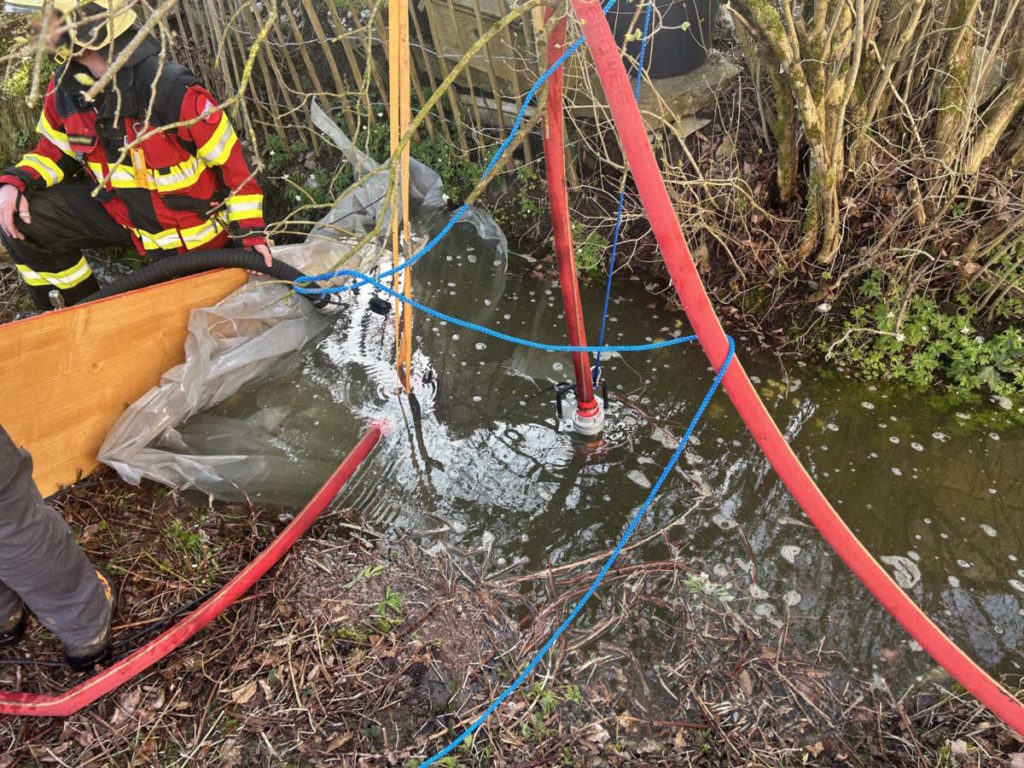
x=479, y=449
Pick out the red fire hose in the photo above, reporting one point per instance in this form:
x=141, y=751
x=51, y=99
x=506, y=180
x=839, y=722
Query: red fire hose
x=554, y=162
x=84, y=694
x=658, y=206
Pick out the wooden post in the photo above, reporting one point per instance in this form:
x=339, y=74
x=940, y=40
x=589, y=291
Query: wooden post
x=219, y=44
x=353, y=70
x=381, y=23
x=517, y=88
x=266, y=62
x=225, y=53
x=400, y=114
x=371, y=62
x=299, y=87
x=495, y=89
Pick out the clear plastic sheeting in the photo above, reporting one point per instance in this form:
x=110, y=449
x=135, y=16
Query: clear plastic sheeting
x=253, y=333
x=357, y=210
x=254, y=337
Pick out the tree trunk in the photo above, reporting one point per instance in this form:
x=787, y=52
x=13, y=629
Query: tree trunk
x=899, y=23
x=784, y=129
x=1006, y=105
x=954, y=89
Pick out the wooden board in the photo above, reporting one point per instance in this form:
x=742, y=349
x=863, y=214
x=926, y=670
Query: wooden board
x=68, y=375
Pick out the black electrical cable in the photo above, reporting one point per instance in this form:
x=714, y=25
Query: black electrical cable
x=119, y=648
x=124, y=643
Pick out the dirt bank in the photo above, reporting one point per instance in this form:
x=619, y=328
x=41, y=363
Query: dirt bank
x=367, y=650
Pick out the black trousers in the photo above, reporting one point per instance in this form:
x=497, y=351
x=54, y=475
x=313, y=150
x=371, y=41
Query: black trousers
x=65, y=219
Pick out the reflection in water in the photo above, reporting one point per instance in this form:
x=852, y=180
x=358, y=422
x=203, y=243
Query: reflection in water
x=479, y=446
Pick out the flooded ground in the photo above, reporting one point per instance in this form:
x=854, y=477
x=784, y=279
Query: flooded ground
x=478, y=450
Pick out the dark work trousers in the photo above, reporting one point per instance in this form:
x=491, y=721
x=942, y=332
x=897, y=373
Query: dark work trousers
x=40, y=562
x=65, y=219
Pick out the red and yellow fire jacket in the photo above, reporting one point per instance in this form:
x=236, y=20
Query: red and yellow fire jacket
x=186, y=188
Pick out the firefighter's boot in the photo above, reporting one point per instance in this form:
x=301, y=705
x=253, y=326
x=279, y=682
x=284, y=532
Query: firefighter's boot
x=12, y=626
x=82, y=657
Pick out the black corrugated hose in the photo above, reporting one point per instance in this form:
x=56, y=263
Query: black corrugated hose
x=193, y=262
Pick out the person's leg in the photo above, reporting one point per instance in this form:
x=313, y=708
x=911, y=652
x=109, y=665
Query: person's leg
x=64, y=219
x=41, y=563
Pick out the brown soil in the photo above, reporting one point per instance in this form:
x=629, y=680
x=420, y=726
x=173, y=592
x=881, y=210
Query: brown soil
x=367, y=651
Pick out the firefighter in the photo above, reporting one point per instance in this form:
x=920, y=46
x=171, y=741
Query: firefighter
x=90, y=182
x=42, y=567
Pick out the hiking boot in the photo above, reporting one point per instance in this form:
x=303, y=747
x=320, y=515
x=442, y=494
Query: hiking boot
x=12, y=629
x=82, y=658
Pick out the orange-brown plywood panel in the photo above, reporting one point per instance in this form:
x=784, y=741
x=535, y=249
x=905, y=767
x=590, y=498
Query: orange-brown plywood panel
x=68, y=375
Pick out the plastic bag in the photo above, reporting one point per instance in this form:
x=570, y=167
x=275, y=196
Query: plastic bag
x=255, y=335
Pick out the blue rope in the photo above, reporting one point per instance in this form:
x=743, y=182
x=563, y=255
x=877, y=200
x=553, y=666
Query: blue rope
x=600, y=576
x=460, y=323
x=622, y=201
x=460, y=212
x=637, y=517
x=360, y=278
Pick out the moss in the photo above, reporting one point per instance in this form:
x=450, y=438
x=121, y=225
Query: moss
x=19, y=77
x=813, y=133
x=766, y=18
x=350, y=634
x=784, y=130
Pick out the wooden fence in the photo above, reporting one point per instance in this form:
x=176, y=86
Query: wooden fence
x=336, y=50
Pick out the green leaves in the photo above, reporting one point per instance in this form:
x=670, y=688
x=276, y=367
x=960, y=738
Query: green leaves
x=392, y=602
x=928, y=345
x=590, y=248
x=700, y=585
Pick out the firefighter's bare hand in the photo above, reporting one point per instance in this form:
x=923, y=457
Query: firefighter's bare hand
x=11, y=202
x=264, y=250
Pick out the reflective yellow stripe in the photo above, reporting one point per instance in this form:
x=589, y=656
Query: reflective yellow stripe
x=218, y=148
x=176, y=178
x=54, y=136
x=64, y=280
x=193, y=237
x=179, y=176
x=48, y=170
x=121, y=176
x=242, y=207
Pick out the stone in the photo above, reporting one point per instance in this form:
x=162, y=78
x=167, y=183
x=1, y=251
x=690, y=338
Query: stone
x=958, y=751
x=668, y=101
x=669, y=98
